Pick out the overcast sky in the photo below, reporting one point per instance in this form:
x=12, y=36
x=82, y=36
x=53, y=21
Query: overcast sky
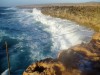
x=27, y=2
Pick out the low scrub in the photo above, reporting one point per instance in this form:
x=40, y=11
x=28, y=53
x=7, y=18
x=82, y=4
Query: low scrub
x=88, y=16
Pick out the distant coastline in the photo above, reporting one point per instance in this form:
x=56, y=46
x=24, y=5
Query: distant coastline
x=86, y=14
x=59, y=4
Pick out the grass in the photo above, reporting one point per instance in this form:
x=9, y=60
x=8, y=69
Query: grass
x=88, y=16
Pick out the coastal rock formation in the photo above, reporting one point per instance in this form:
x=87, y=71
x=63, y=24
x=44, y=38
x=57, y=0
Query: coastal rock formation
x=46, y=67
x=83, y=59
x=49, y=67
x=83, y=15
x=91, y=50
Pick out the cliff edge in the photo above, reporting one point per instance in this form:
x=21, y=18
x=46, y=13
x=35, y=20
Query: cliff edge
x=82, y=59
x=86, y=15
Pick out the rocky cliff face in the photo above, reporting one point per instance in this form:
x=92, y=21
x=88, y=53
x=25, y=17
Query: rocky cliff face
x=90, y=50
x=49, y=67
x=83, y=59
x=84, y=15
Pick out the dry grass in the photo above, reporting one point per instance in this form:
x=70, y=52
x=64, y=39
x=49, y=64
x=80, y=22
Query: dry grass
x=88, y=16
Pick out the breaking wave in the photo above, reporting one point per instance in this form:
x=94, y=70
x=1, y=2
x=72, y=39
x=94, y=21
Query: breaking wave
x=33, y=36
x=64, y=33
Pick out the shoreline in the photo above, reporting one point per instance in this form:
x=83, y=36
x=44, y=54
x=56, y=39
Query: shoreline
x=82, y=59
x=84, y=14
x=87, y=16
x=59, y=4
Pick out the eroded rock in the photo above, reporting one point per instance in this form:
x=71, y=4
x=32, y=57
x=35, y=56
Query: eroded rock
x=83, y=59
x=91, y=50
x=46, y=67
x=51, y=67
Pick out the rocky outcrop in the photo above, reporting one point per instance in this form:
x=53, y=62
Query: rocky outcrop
x=49, y=67
x=83, y=59
x=91, y=50
x=83, y=15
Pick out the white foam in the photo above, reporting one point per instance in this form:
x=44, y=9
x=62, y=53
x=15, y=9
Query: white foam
x=2, y=33
x=64, y=32
x=61, y=33
x=11, y=8
x=5, y=72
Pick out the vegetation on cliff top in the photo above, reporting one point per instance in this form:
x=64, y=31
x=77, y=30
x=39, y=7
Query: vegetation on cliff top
x=88, y=16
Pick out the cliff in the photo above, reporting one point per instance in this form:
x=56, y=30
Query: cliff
x=82, y=59
x=83, y=14
x=86, y=14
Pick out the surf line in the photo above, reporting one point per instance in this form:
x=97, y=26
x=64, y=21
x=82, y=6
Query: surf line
x=8, y=59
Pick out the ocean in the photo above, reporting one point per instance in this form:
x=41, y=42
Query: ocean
x=32, y=36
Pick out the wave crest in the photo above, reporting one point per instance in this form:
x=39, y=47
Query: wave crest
x=64, y=32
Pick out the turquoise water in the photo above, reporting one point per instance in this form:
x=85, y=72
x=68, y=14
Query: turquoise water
x=32, y=36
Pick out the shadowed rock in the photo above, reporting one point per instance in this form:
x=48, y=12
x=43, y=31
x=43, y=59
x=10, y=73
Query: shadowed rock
x=46, y=67
x=51, y=67
x=91, y=50
x=83, y=59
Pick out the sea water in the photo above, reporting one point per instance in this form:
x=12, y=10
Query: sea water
x=32, y=36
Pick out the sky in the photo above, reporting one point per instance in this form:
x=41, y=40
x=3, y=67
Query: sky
x=27, y=2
